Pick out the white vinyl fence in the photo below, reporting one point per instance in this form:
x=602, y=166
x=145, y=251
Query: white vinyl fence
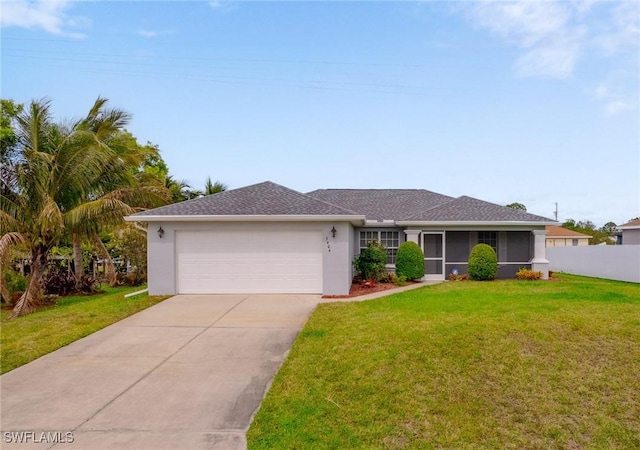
x=614, y=262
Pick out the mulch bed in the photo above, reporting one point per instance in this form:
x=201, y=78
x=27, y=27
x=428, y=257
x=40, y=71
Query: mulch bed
x=359, y=288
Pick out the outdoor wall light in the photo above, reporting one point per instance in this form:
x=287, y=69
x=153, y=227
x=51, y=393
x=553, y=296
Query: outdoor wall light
x=334, y=231
x=160, y=232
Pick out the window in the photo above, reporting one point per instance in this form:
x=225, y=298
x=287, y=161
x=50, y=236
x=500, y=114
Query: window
x=490, y=238
x=574, y=242
x=389, y=239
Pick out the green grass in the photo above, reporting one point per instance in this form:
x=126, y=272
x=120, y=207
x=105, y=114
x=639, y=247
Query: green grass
x=26, y=338
x=503, y=364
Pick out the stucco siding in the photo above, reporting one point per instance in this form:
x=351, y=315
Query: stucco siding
x=336, y=271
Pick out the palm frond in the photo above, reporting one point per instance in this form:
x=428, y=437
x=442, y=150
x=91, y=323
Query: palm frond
x=7, y=241
x=97, y=214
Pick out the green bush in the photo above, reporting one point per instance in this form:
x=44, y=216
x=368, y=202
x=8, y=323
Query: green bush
x=483, y=263
x=410, y=261
x=14, y=281
x=370, y=263
x=400, y=281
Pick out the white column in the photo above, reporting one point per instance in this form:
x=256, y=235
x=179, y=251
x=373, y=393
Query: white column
x=539, y=262
x=413, y=236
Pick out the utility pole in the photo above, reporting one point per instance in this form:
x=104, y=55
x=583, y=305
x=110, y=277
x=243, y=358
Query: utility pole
x=556, y=211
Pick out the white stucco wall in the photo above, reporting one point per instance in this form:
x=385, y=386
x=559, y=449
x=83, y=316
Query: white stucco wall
x=614, y=262
x=336, y=261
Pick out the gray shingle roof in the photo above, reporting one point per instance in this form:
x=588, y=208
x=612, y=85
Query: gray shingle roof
x=402, y=205
x=382, y=204
x=259, y=199
x=469, y=209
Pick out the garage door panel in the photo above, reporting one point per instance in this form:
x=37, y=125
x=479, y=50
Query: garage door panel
x=244, y=262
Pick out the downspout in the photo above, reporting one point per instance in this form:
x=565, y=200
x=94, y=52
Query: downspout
x=131, y=294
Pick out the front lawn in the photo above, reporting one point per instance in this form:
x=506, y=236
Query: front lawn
x=26, y=338
x=503, y=364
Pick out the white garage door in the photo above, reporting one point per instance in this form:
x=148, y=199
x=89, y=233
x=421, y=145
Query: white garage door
x=249, y=262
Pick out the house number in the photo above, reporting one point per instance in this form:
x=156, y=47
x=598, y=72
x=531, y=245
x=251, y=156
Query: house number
x=328, y=244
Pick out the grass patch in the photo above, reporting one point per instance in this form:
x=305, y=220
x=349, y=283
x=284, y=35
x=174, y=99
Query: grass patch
x=26, y=338
x=503, y=364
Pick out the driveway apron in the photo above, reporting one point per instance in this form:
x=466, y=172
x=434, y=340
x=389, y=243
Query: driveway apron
x=189, y=372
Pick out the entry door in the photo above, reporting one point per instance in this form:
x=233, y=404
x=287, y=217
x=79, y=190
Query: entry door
x=433, y=248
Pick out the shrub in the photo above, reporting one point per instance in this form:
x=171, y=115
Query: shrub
x=14, y=281
x=483, y=263
x=458, y=277
x=526, y=274
x=389, y=277
x=59, y=281
x=370, y=264
x=401, y=280
x=87, y=285
x=410, y=261
x=134, y=278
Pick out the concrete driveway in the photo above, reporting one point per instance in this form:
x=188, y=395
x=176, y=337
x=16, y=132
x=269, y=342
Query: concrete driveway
x=188, y=373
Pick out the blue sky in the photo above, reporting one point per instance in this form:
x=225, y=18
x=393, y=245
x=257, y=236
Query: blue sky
x=530, y=102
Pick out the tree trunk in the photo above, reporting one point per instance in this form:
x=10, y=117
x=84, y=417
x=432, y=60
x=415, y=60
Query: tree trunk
x=78, y=268
x=31, y=298
x=104, y=254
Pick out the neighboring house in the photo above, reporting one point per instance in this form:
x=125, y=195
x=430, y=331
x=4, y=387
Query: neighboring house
x=563, y=237
x=267, y=238
x=630, y=233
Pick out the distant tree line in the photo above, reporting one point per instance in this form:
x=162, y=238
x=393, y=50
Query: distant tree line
x=604, y=234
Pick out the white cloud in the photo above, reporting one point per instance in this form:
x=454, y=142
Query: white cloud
x=48, y=15
x=148, y=33
x=616, y=106
x=555, y=37
x=617, y=96
x=620, y=31
x=222, y=5
x=551, y=45
x=556, y=57
x=524, y=22
x=153, y=33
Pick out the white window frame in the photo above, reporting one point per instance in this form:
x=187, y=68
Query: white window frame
x=370, y=235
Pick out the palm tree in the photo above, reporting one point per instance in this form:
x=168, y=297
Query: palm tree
x=180, y=189
x=213, y=188
x=51, y=168
x=64, y=179
x=117, y=191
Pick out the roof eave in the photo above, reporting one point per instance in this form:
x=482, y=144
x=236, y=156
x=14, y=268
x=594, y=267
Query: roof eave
x=354, y=219
x=423, y=223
